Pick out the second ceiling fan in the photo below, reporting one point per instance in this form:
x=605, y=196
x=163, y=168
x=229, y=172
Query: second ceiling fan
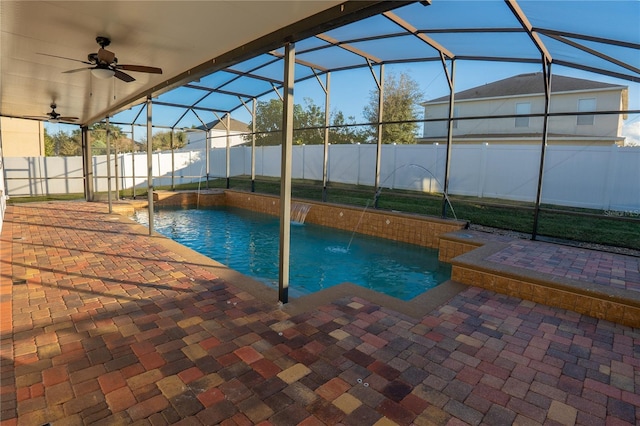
x=104, y=64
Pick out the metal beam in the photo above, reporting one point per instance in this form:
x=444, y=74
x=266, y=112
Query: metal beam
x=348, y=48
x=594, y=53
x=524, y=21
x=413, y=30
x=300, y=62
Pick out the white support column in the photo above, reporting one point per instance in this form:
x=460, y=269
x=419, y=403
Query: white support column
x=379, y=138
x=108, y=138
x=285, y=173
x=327, y=117
x=253, y=144
x=149, y=165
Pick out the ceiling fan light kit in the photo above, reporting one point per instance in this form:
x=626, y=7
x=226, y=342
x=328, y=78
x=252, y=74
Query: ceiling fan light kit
x=102, y=73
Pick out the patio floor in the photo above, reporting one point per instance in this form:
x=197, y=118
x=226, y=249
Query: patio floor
x=102, y=324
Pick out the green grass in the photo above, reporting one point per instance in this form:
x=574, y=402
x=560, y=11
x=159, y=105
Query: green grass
x=573, y=224
x=35, y=198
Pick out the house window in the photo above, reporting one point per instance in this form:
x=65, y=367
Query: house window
x=523, y=108
x=585, y=105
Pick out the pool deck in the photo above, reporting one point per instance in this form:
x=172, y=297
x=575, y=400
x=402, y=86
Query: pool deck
x=103, y=324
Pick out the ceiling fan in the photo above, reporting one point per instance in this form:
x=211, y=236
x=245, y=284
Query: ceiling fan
x=104, y=64
x=53, y=116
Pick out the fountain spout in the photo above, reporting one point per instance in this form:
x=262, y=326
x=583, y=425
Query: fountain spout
x=299, y=212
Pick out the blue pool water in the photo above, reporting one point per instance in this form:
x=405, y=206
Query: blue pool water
x=321, y=257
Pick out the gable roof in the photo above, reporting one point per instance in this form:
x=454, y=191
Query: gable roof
x=236, y=126
x=524, y=84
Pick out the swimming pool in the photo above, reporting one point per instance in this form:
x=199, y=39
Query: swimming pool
x=320, y=257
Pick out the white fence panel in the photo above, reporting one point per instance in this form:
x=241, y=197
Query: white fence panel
x=416, y=168
x=30, y=176
x=510, y=172
x=623, y=176
x=313, y=158
x=297, y=161
x=236, y=159
x=271, y=158
x=218, y=162
x=581, y=176
x=573, y=176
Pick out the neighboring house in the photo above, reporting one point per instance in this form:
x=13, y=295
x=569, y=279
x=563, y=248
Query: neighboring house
x=22, y=138
x=524, y=94
x=217, y=135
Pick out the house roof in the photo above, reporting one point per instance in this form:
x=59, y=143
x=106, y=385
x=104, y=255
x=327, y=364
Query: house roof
x=524, y=84
x=236, y=126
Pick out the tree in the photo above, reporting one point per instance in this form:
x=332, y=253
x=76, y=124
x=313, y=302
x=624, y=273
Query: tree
x=62, y=144
x=401, y=98
x=49, y=144
x=117, y=140
x=161, y=141
x=308, y=122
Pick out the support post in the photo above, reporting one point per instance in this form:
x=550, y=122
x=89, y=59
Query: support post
x=115, y=169
x=327, y=118
x=88, y=164
x=546, y=72
x=285, y=173
x=149, y=165
x=254, y=106
x=173, y=160
x=451, y=77
x=379, y=141
x=108, y=139
x=228, y=150
x=133, y=161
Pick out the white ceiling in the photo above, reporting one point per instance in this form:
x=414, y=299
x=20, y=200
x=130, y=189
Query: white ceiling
x=176, y=36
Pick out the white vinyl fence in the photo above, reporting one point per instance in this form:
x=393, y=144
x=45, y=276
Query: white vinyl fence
x=595, y=177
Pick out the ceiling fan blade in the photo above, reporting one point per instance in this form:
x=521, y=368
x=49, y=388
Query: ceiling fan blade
x=105, y=56
x=68, y=118
x=36, y=117
x=124, y=77
x=76, y=70
x=62, y=57
x=140, y=68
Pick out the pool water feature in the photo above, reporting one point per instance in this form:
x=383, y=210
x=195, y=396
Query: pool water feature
x=320, y=257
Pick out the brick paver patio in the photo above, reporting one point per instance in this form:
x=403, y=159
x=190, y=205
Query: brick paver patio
x=102, y=324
